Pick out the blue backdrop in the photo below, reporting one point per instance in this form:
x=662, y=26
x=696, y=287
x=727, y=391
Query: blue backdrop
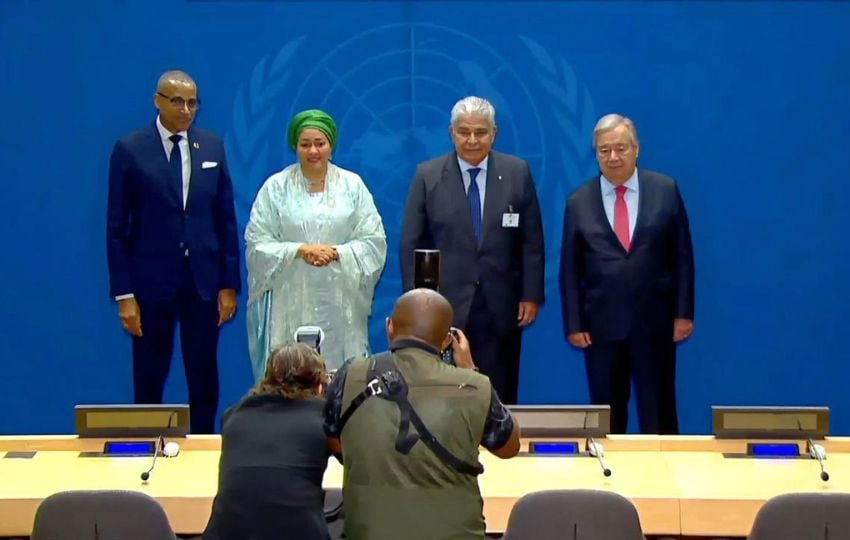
x=745, y=103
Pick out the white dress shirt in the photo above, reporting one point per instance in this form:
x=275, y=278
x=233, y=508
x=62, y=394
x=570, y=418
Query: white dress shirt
x=167, y=145
x=632, y=196
x=481, y=179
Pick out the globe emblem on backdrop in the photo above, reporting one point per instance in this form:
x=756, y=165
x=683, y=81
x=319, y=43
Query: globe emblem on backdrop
x=392, y=109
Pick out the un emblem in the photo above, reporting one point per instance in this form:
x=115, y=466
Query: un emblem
x=390, y=90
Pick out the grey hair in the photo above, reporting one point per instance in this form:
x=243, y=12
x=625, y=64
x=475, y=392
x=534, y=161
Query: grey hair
x=174, y=76
x=610, y=121
x=473, y=105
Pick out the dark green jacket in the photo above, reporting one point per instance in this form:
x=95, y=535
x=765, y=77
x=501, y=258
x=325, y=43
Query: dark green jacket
x=391, y=496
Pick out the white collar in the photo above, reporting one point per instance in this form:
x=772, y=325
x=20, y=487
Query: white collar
x=165, y=135
x=631, y=184
x=464, y=166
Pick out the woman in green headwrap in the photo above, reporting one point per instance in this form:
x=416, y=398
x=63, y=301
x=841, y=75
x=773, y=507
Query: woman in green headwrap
x=315, y=247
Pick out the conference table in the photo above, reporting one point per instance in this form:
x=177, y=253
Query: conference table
x=680, y=485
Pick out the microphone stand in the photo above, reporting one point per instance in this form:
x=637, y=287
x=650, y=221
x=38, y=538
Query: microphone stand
x=595, y=449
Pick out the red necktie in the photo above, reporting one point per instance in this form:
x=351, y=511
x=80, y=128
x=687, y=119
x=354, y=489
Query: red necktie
x=621, y=218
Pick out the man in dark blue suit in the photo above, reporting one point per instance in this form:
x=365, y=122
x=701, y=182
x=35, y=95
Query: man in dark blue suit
x=480, y=209
x=172, y=247
x=627, y=280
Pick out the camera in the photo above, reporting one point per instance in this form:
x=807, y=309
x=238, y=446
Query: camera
x=312, y=336
x=448, y=355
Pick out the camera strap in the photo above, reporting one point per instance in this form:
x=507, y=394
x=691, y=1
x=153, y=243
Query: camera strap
x=386, y=382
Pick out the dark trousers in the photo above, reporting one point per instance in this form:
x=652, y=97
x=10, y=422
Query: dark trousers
x=152, y=352
x=651, y=363
x=495, y=352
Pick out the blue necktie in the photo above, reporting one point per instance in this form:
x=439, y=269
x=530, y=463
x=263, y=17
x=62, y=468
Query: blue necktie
x=175, y=162
x=474, y=200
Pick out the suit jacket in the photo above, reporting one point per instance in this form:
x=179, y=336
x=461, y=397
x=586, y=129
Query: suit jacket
x=508, y=263
x=614, y=294
x=148, y=231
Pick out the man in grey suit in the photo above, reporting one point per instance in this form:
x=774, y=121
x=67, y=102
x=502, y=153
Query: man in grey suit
x=480, y=209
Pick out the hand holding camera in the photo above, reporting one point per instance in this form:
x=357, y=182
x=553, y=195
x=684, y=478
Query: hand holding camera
x=460, y=350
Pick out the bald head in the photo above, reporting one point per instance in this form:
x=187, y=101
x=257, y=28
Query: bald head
x=421, y=314
x=170, y=78
x=176, y=99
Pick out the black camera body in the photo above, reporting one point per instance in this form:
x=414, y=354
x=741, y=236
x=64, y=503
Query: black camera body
x=448, y=354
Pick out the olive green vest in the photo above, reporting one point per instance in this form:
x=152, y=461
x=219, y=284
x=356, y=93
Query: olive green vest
x=391, y=496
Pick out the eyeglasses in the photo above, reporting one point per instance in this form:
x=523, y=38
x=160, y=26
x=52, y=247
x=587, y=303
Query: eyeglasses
x=179, y=102
x=621, y=149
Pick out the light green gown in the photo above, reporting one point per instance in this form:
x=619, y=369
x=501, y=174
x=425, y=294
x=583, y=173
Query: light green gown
x=284, y=292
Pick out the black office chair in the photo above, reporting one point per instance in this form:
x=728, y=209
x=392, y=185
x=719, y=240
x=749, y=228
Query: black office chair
x=803, y=516
x=573, y=513
x=101, y=515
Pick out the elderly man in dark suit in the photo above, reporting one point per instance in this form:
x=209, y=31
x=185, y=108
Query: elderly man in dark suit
x=627, y=280
x=172, y=247
x=480, y=209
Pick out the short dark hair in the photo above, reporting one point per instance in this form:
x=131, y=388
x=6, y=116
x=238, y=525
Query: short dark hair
x=294, y=371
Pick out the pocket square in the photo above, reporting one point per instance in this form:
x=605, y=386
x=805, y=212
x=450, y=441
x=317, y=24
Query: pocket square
x=209, y=164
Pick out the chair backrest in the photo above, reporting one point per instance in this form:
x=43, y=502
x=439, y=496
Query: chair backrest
x=335, y=513
x=334, y=509
x=573, y=514
x=803, y=516
x=101, y=515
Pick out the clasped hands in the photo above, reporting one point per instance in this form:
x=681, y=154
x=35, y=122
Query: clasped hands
x=318, y=254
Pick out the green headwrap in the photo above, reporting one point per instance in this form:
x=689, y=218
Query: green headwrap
x=312, y=118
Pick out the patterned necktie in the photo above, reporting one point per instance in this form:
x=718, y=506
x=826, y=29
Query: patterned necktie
x=175, y=162
x=473, y=198
x=621, y=218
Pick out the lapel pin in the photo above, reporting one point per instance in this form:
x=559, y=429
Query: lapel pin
x=196, y=146
x=500, y=177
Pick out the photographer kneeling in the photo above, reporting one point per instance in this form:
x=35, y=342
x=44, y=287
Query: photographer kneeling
x=410, y=426
x=274, y=454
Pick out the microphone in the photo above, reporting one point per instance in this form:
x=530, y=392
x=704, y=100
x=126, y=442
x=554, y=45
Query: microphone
x=147, y=474
x=595, y=449
x=818, y=452
x=169, y=450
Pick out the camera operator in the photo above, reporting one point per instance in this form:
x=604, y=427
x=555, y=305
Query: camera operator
x=274, y=454
x=410, y=426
